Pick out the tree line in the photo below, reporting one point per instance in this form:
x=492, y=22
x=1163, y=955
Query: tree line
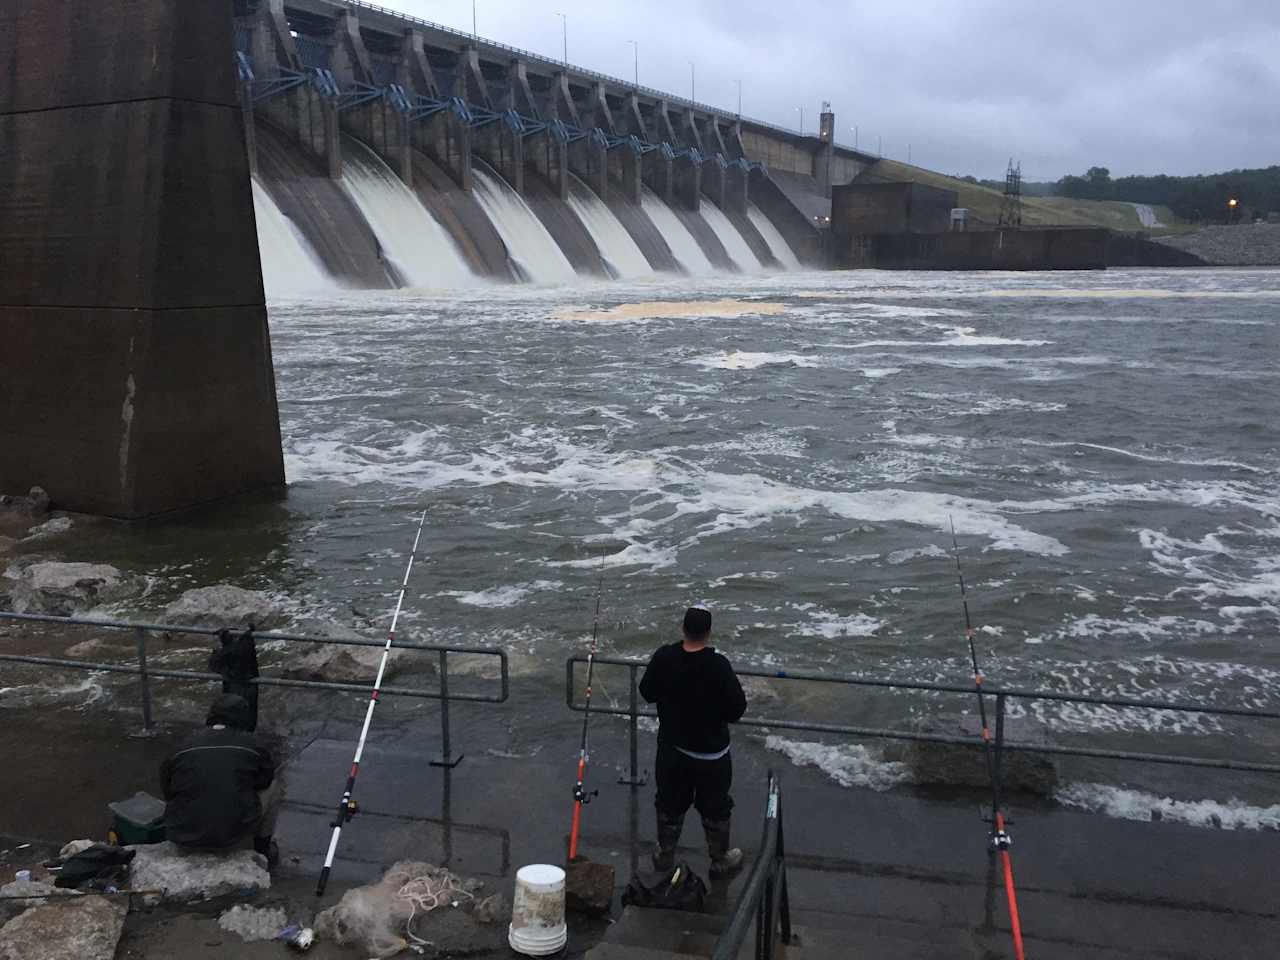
x=1205, y=197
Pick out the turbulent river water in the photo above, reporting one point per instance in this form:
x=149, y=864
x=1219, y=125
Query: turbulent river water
x=791, y=449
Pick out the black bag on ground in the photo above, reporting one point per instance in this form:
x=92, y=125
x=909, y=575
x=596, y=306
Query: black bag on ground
x=102, y=863
x=678, y=889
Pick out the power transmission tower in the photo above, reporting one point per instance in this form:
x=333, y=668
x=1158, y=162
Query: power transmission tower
x=1011, y=205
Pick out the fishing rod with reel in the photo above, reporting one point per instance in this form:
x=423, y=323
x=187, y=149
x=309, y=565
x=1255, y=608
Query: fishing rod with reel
x=580, y=794
x=347, y=807
x=1000, y=840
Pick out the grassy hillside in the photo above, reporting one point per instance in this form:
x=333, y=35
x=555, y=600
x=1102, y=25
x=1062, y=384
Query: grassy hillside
x=984, y=202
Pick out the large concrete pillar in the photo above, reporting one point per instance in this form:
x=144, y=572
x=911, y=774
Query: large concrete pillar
x=135, y=376
x=631, y=174
x=687, y=182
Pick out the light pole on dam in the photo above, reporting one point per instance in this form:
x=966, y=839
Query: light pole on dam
x=135, y=376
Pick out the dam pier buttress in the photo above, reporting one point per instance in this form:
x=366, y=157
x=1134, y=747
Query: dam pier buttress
x=135, y=373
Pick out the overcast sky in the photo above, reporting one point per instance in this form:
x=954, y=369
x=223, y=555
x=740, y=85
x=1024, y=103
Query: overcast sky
x=1140, y=86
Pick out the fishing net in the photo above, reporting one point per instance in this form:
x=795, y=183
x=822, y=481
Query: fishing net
x=380, y=917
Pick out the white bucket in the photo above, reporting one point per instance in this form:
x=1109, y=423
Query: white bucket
x=537, y=911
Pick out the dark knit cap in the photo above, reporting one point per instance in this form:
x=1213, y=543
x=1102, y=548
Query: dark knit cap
x=697, y=622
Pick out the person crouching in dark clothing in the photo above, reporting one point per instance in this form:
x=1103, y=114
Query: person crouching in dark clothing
x=236, y=660
x=698, y=696
x=220, y=786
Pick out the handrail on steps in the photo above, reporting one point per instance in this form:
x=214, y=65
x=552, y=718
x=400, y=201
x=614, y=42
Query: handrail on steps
x=764, y=897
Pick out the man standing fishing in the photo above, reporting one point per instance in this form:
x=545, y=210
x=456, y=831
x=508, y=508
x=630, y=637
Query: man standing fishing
x=698, y=696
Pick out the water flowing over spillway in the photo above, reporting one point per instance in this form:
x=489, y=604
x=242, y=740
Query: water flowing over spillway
x=778, y=245
x=733, y=241
x=683, y=246
x=532, y=249
x=621, y=253
x=421, y=251
x=289, y=265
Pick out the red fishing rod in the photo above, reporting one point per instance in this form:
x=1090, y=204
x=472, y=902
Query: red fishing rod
x=580, y=796
x=347, y=806
x=1000, y=840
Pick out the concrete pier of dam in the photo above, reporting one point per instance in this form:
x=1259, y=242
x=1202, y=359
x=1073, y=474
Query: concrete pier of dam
x=135, y=372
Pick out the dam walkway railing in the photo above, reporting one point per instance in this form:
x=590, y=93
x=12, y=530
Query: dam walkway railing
x=145, y=673
x=1002, y=696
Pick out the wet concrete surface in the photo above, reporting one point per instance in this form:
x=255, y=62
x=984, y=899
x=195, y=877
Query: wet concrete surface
x=1087, y=884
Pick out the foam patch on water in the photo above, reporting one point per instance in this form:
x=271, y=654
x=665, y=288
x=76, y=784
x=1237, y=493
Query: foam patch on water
x=1149, y=458
x=85, y=692
x=1126, y=804
x=747, y=360
x=850, y=764
x=506, y=596
x=1219, y=569
x=906, y=556
x=833, y=626
x=630, y=312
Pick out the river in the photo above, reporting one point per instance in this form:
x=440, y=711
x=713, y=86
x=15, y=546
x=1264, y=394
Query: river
x=791, y=449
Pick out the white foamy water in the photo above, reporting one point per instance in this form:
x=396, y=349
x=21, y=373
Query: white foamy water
x=734, y=243
x=850, y=765
x=289, y=264
x=778, y=245
x=1126, y=804
x=421, y=251
x=506, y=596
x=683, y=246
x=622, y=256
x=748, y=360
x=530, y=246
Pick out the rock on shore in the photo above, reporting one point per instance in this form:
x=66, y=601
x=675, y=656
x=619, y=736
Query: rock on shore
x=65, y=589
x=1239, y=245
x=224, y=605
x=86, y=928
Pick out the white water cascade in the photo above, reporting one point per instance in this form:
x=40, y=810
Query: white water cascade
x=289, y=264
x=621, y=254
x=421, y=251
x=531, y=247
x=734, y=243
x=683, y=246
x=778, y=245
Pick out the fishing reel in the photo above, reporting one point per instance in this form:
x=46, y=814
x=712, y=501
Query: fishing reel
x=1001, y=841
x=348, y=810
x=583, y=796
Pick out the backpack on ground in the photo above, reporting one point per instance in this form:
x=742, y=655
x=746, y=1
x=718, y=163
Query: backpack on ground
x=677, y=889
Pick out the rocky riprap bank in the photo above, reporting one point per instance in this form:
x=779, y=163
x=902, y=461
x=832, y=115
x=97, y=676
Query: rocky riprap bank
x=1243, y=245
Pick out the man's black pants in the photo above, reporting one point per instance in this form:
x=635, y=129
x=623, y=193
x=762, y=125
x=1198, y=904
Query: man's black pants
x=685, y=781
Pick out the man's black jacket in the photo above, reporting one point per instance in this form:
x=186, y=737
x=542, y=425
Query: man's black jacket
x=698, y=696
x=211, y=782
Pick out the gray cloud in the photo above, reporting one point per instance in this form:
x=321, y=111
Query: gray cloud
x=1140, y=86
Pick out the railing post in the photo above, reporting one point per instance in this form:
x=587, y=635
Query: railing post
x=635, y=779
x=447, y=759
x=141, y=635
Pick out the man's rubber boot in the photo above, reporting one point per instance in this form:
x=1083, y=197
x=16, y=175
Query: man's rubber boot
x=725, y=860
x=664, y=858
x=269, y=849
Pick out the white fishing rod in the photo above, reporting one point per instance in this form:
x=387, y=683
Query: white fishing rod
x=347, y=806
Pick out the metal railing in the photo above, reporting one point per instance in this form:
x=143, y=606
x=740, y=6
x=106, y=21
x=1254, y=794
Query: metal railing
x=764, y=897
x=145, y=673
x=1002, y=697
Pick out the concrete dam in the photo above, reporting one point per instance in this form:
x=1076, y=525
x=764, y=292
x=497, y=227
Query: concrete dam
x=390, y=152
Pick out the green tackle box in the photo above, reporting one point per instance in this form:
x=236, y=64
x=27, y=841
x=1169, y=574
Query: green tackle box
x=140, y=819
